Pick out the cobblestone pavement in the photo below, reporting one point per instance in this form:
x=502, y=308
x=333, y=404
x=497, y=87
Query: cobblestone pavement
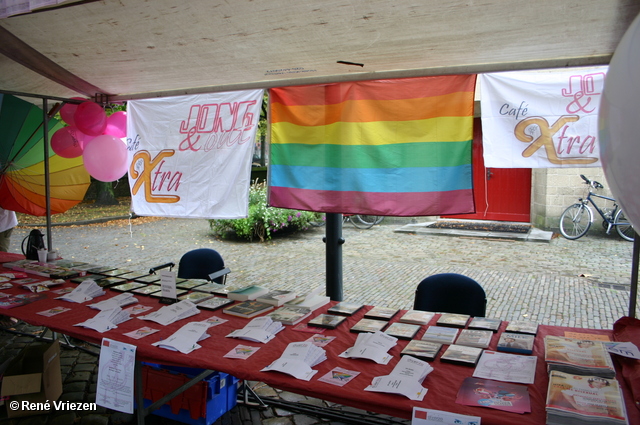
x=581, y=283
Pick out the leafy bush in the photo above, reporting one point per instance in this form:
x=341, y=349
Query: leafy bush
x=263, y=221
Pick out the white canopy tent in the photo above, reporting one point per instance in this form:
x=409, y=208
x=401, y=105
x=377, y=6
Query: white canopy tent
x=133, y=49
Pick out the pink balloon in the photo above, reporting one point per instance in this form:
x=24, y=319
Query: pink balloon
x=68, y=110
x=90, y=118
x=106, y=158
x=117, y=124
x=68, y=142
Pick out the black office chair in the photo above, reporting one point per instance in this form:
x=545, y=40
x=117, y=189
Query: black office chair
x=203, y=263
x=451, y=293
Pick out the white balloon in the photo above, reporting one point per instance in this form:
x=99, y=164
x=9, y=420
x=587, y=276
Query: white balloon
x=619, y=124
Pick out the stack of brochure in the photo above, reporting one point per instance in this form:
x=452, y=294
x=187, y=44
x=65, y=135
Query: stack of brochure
x=405, y=379
x=106, y=320
x=312, y=300
x=261, y=329
x=582, y=357
x=185, y=339
x=172, y=313
x=121, y=300
x=373, y=346
x=574, y=399
x=42, y=286
x=86, y=291
x=298, y=359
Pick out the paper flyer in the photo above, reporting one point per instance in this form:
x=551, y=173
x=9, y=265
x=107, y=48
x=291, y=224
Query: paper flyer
x=241, y=352
x=141, y=333
x=53, y=311
x=115, y=376
x=494, y=394
x=423, y=416
x=321, y=340
x=339, y=376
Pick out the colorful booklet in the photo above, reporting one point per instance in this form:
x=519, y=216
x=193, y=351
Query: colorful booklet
x=417, y=317
x=485, y=323
x=277, y=297
x=493, y=394
x=196, y=297
x=329, y=321
x=381, y=313
x=288, y=315
x=453, y=320
x=440, y=334
x=247, y=293
x=474, y=338
x=369, y=325
x=345, y=308
x=424, y=350
x=461, y=354
x=248, y=309
x=511, y=342
x=521, y=326
x=22, y=299
x=402, y=330
x=584, y=399
x=130, y=286
x=214, y=303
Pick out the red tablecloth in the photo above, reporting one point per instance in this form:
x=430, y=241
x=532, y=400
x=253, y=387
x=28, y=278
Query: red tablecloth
x=443, y=383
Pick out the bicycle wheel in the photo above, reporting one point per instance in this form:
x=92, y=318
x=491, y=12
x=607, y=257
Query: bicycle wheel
x=623, y=226
x=373, y=219
x=575, y=221
x=362, y=221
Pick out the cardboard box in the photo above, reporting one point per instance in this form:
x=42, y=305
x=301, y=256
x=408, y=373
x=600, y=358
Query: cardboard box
x=33, y=377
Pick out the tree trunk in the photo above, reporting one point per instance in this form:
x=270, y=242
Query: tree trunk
x=105, y=195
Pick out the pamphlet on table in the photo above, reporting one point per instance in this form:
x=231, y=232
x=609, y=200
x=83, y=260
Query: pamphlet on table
x=298, y=359
x=405, y=379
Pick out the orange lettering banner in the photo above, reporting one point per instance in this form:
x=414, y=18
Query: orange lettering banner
x=541, y=119
x=191, y=155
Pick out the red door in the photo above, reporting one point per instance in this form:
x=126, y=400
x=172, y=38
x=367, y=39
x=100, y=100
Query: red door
x=500, y=194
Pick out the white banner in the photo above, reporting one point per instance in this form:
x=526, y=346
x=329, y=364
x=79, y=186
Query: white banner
x=191, y=155
x=541, y=119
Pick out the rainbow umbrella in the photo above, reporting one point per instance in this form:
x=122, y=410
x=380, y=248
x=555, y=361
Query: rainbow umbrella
x=23, y=179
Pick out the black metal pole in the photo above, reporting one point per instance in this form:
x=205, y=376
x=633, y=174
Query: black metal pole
x=633, y=295
x=334, y=241
x=47, y=182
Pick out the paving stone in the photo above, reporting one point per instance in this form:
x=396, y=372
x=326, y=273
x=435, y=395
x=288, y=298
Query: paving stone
x=85, y=367
x=78, y=376
x=119, y=418
x=63, y=419
x=94, y=420
x=305, y=420
x=79, y=386
x=278, y=421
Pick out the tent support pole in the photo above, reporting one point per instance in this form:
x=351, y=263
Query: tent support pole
x=633, y=295
x=47, y=183
x=334, y=242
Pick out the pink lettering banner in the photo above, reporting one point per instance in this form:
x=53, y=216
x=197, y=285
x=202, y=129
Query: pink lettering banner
x=541, y=119
x=190, y=156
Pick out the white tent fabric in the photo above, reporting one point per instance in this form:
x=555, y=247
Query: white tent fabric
x=135, y=49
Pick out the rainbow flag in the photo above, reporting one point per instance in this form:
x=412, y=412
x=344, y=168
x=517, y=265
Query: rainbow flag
x=386, y=147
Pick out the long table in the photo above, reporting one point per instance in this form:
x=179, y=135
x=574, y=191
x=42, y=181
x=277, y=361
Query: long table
x=443, y=383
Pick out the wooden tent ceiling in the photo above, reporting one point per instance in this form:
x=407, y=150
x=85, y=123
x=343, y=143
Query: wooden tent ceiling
x=133, y=49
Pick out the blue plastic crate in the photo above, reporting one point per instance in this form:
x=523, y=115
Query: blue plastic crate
x=212, y=398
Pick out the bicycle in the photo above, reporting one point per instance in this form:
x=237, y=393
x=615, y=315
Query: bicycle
x=361, y=221
x=576, y=220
